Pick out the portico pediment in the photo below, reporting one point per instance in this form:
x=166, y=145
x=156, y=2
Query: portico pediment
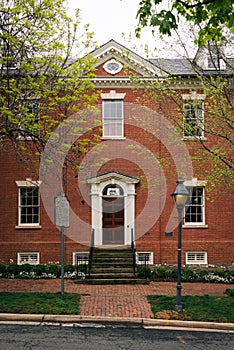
x=112, y=177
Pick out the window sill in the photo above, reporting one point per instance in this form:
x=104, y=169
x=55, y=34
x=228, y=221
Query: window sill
x=195, y=226
x=23, y=227
x=197, y=263
x=194, y=138
x=121, y=138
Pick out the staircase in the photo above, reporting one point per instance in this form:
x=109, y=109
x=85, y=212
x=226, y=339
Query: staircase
x=112, y=266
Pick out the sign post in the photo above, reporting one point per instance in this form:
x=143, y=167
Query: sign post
x=62, y=220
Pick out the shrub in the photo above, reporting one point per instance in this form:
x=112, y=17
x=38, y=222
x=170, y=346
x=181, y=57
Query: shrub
x=219, y=272
x=231, y=272
x=230, y=292
x=144, y=272
x=39, y=269
x=53, y=270
x=13, y=270
x=201, y=275
x=161, y=272
x=69, y=268
x=2, y=270
x=83, y=268
x=188, y=275
x=172, y=274
x=26, y=268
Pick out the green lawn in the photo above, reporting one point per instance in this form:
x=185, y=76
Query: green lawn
x=39, y=303
x=197, y=308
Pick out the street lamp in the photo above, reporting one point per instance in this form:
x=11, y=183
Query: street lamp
x=180, y=196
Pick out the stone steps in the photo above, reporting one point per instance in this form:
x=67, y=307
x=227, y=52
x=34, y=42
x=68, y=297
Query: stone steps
x=112, y=266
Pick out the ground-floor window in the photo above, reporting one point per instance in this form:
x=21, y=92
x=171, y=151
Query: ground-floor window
x=31, y=258
x=28, y=203
x=196, y=257
x=195, y=207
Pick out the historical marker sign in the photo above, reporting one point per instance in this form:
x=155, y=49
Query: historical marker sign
x=61, y=211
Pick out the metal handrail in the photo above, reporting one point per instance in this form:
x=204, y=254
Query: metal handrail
x=91, y=251
x=133, y=252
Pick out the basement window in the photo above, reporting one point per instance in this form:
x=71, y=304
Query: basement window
x=196, y=258
x=143, y=258
x=80, y=258
x=28, y=258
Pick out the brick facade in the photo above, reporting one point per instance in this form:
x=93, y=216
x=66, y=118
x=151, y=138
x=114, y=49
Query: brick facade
x=133, y=157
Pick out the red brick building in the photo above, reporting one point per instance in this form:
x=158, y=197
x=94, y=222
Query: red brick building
x=122, y=189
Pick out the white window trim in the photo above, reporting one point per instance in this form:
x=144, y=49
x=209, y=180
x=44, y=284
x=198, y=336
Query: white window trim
x=29, y=138
x=197, y=183
x=196, y=261
x=149, y=262
x=74, y=254
x=221, y=65
x=194, y=96
x=27, y=183
x=112, y=95
x=113, y=72
x=31, y=262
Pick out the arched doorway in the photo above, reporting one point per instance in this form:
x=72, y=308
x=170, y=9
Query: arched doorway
x=113, y=215
x=113, y=208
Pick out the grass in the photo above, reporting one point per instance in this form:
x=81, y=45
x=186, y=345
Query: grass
x=197, y=308
x=39, y=303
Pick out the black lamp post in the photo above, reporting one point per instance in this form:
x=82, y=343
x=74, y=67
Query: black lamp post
x=180, y=196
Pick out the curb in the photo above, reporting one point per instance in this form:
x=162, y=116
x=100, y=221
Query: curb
x=140, y=322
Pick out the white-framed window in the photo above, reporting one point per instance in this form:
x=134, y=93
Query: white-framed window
x=196, y=258
x=28, y=203
x=193, y=124
x=113, y=115
x=80, y=258
x=143, y=258
x=30, y=118
x=112, y=66
x=215, y=63
x=31, y=258
x=195, y=206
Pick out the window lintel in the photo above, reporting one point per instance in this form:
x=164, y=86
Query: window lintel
x=195, y=183
x=193, y=96
x=113, y=95
x=28, y=183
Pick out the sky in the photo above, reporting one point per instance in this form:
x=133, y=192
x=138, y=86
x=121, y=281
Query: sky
x=111, y=19
x=116, y=19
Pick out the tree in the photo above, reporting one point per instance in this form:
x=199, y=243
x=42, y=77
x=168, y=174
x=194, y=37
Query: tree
x=210, y=141
x=43, y=80
x=212, y=17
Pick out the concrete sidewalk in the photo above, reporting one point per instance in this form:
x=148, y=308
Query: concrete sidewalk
x=111, y=303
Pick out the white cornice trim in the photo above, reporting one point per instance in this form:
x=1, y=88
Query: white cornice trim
x=113, y=176
x=112, y=49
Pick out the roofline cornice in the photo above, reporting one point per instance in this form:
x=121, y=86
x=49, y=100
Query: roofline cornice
x=126, y=82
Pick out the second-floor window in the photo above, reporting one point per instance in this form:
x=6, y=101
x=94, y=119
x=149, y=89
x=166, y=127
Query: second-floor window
x=29, y=119
x=29, y=205
x=113, y=114
x=112, y=118
x=193, y=125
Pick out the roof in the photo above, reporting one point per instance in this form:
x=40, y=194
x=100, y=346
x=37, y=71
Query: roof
x=174, y=66
x=187, y=67
x=160, y=67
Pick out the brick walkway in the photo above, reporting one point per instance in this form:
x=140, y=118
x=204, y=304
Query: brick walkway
x=113, y=300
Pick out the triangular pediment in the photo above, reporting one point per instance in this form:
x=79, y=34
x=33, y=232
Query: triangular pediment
x=113, y=50
x=113, y=175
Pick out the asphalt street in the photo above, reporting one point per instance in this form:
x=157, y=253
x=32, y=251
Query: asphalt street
x=101, y=337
